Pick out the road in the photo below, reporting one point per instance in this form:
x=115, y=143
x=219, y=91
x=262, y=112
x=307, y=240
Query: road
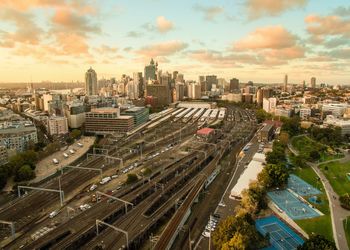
x=338, y=213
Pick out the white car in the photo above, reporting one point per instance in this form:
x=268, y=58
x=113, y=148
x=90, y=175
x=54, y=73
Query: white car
x=206, y=233
x=53, y=214
x=93, y=187
x=221, y=204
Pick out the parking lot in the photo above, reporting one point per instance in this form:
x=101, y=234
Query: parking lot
x=46, y=167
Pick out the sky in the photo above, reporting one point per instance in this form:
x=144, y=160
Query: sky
x=258, y=40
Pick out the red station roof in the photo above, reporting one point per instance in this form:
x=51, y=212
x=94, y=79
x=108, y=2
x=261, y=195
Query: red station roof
x=205, y=131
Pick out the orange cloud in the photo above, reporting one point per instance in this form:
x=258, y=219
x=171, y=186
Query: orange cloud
x=259, y=8
x=162, y=49
x=327, y=25
x=26, y=30
x=164, y=25
x=273, y=37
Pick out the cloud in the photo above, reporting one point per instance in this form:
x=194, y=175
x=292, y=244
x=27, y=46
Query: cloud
x=26, y=30
x=221, y=60
x=273, y=45
x=134, y=34
x=164, y=25
x=336, y=42
x=210, y=12
x=259, y=8
x=343, y=53
x=105, y=49
x=327, y=26
x=162, y=49
x=272, y=37
x=342, y=11
x=72, y=21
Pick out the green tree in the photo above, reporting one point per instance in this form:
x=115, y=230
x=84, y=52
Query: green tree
x=254, y=198
x=131, y=178
x=3, y=177
x=30, y=157
x=291, y=125
x=345, y=201
x=273, y=175
x=24, y=173
x=262, y=115
x=75, y=134
x=299, y=161
x=317, y=242
x=314, y=155
x=52, y=147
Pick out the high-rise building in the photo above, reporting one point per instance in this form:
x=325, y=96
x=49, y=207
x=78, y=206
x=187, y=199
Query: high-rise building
x=180, y=78
x=175, y=73
x=234, y=85
x=138, y=80
x=150, y=71
x=160, y=94
x=91, y=82
x=259, y=97
x=57, y=125
x=285, y=87
x=313, y=82
x=209, y=81
x=180, y=90
x=201, y=81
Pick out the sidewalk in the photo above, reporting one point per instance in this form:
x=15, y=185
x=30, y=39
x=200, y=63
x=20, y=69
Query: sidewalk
x=338, y=214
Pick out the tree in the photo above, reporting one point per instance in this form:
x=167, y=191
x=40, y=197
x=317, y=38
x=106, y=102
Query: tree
x=254, y=198
x=3, y=177
x=283, y=138
x=345, y=201
x=291, y=125
x=317, y=242
x=262, y=115
x=131, y=178
x=314, y=155
x=299, y=161
x=30, y=157
x=52, y=147
x=273, y=175
x=75, y=134
x=24, y=173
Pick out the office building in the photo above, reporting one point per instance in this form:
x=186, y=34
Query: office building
x=285, y=86
x=150, y=71
x=266, y=133
x=234, y=85
x=57, y=125
x=209, y=81
x=91, y=82
x=3, y=155
x=75, y=113
x=107, y=121
x=140, y=115
x=269, y=104
x=160, y=93
x=17, y=135
x=138, y=80
x=259, y=97
x=313, y=82
x=344, y=125
x=194, y=90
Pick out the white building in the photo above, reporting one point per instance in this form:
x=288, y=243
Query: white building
x=75, y=113
x=280, y=111
x=343, y=124
x=305, y=113
x=337, y=109
x=46, y=99
x=57, y=125
x=249, y=175
x=133, y=90
x=269, y=104
x=194, y=91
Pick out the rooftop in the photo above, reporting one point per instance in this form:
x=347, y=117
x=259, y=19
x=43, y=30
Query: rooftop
x=205, y=131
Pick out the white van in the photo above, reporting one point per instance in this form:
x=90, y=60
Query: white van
x=55, y=161
x=71, y=151
x=65, y=155
x=105, y=180
x=79, y=144
x=53, y=214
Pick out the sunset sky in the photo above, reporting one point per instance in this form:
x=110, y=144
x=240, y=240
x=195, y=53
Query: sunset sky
x=259, y=40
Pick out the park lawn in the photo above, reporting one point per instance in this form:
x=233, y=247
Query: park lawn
x=347, y=230
x=320, y=225
x=336, y=175
x=305, y=145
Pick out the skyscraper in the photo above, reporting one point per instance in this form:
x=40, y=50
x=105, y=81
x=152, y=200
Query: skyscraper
x=285, y=83
x=313, y=82
x=234, y=85
x=138, y=80
x=210, y=80
x=91, y=82
x=150, y=71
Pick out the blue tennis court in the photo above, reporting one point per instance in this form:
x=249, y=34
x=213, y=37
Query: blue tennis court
x=301, y=187
x=281, y=236
x=289, y=203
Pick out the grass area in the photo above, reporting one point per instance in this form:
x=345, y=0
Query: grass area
x=305, y=145
x=320, y=225
x=336, y=175
x=347, y=230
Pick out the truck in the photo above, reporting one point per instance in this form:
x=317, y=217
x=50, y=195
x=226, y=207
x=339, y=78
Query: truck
x=55, y=161
x=105, y=180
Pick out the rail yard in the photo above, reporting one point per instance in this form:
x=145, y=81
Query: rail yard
x=175, y=155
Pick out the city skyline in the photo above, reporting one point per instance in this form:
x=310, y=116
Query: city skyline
x=59, y=40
